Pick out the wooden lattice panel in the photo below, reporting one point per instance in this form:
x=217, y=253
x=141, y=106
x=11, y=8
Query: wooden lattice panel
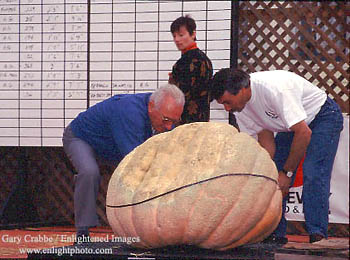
x=51, y=182
x=309, y=38
x=9, y=166
x=49, y=179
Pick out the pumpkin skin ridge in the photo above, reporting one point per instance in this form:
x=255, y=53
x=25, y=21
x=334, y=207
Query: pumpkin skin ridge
x=144, y=235
x=243, y=239
x=183, y=179
x=155, y=236
x=159, y=176
x=238, y=241
x=273, y=206
x=146, y=239
x=125, y=164
x=258, y=204
x=185, y=239
x=268, y=214
x=260, y=187
x=120, y=230
x=122, y=177
x=182, y=242
x=235, y=206
x=210, y=235
x=158, y=230
x=263, y=187
x=222, y=217
x=127, y=214
x=139, y=230
x=186, y=236
x=142, y=229
x=142, y=180
x=179, y=181
x=198, y=238
x=265, y=172
x=247, y=239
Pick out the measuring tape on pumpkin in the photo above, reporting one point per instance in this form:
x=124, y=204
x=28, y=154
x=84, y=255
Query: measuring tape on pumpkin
x=189, y=185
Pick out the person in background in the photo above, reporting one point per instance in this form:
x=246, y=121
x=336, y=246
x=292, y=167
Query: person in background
x=306, y=121
x=108, y=131
x=192, y=72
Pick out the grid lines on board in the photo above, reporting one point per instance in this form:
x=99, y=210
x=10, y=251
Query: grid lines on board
x=42, y=69
x=58, y=57
x=135, y=36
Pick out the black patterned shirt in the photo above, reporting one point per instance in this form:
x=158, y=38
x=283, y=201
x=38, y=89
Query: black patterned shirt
x=192, y=73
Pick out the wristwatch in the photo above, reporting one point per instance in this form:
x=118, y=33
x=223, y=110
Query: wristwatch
x=288, y=173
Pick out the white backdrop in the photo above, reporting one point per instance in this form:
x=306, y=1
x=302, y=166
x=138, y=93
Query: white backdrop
x=339, y=198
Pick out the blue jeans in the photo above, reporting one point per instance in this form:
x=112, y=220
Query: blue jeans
x=317, y=168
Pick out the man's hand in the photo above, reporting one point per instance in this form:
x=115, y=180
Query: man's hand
x=284, y=183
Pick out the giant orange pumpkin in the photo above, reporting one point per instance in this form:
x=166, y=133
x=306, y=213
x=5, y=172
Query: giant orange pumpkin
x=201, y=184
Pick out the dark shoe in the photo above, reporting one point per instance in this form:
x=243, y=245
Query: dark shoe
x=315, y=237
x=275, y=240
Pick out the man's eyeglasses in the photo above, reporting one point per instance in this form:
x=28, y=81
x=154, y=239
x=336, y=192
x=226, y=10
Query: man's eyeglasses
x=169, y=120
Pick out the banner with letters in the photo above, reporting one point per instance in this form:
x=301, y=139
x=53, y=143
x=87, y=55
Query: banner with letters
x=339, y=197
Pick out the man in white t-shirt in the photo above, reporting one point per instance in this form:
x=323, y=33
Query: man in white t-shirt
x=306, y=121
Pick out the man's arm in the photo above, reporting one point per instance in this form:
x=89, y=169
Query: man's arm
x=301, y=140
x=267, y=140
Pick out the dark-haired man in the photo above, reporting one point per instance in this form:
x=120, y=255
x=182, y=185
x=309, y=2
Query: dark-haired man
x=306, y=121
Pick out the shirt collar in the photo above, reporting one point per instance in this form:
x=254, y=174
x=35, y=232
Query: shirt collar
x=191, y=47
